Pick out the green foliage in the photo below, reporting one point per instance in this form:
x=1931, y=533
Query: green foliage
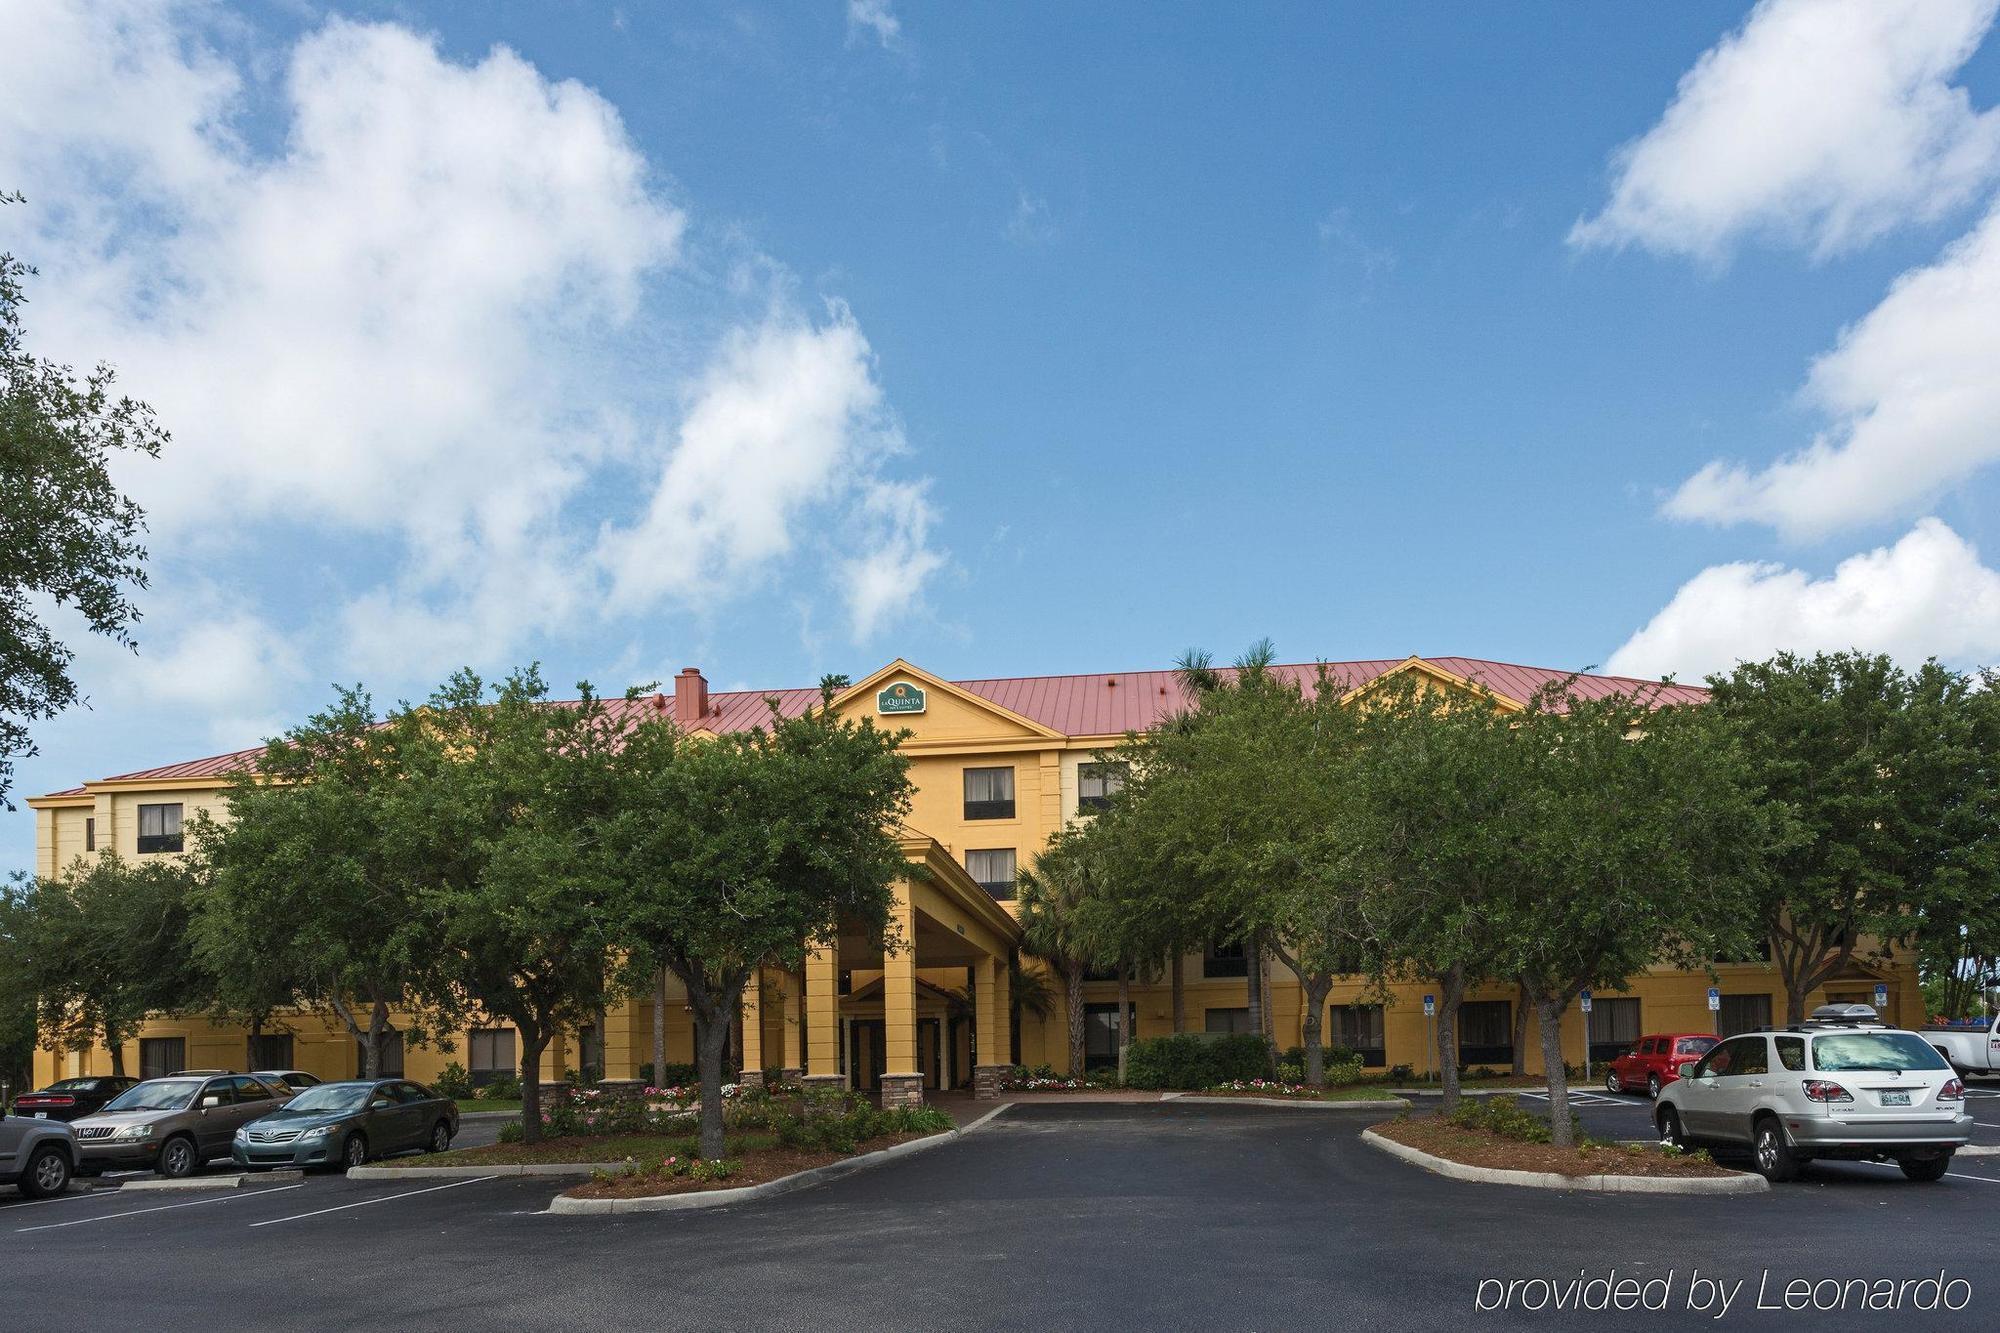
x=453, y=1082
x=1503, y=1116
x=843, y=1126
x=68, y=537
x=671, y=1076
x=502, y=1087
x=1190, y=1061
x=512, y=1132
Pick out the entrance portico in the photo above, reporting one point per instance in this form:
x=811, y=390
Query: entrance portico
x=949, y=943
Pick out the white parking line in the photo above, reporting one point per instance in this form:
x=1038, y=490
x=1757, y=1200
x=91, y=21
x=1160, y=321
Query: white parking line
x=387, y=1198
x=60, y=1198
x=111, y=1217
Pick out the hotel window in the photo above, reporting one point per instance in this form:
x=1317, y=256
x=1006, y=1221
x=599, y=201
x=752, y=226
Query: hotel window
x=994, y=869
x=1614, y=1027
x=90, y=834
x=392, y=1056
x=1225, y=960
x=590, y=1053
x=1486, y=1032
x=161, y=1056
x=1359, y=1028
x=1223, y=1020
x=1096, y=784
x=989, y=793
x=160, y=828
x=1743, y=1013
x=490, y=1053
x=271, y=1051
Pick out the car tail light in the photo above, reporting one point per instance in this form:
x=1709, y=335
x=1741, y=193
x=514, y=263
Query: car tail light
x=1953, y=1090
x=1821, y=1090
x=52, y=1099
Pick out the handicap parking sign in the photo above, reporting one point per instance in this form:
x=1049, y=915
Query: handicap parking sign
x=1585, y=997
x=1714, y=998
x=1430, y=1006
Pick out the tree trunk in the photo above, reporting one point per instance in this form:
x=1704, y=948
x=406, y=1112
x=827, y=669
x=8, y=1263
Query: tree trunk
x=1270, y=1010
x=250, y=1041
x=1795, y=999
x=378, y=1026
x=711, y=1044
x=116, y=1045
x=1317, y=987
x=1523, y=1010
x=533, y=1043
x=1125, y=1019
x=660, y=1030
x=1550, y=1013
x=1073, y=1003
x=1451, y=988
x=1179, y=969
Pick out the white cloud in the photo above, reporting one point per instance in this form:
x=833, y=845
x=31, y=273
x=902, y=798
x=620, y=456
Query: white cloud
x=1031, y=223
x=897, y=560
x=1819, y=122
x=874, y=17
x=788, y=418
x=1913, y=391
x=414, y=308
x=1927, y=595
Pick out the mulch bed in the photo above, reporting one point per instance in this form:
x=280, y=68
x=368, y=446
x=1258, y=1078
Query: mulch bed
x=755, y=1167
x=1474, y=1147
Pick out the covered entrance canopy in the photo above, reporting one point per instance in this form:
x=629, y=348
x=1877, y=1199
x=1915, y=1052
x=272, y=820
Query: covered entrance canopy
x=941, y=922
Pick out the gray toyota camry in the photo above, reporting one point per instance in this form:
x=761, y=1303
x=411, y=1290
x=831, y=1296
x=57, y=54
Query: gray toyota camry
x=345, y=1124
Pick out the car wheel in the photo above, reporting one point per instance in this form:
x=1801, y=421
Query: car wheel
x=1669, y=1121
x=47, y=1174
x=178, y=1159
x=1653, y=1086
x=441, y=1137
x=1925, y=1168
x=1612, y=1083
x=354, y=1152
x=1775, y=1160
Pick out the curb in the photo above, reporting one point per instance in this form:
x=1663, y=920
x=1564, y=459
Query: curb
x=234, y=1181
x=488, y=1115
x=673, y=1203
x=1549, y=1180
x=1297, y=1103
x=480, y=1172
x=1979, y=1150
x=1435, y=1091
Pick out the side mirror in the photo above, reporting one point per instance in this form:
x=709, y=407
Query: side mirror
x=207, y=1102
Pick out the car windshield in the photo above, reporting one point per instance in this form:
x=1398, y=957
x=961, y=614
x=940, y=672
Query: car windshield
x=334, y=1098
x=1879, y=1052
x=73, y=1085
x=1698, y=1045
x=162, y=1094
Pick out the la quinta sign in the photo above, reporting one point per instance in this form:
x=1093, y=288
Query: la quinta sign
x=902, y=697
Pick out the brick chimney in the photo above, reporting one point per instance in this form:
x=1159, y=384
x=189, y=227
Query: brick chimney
x=690, y=698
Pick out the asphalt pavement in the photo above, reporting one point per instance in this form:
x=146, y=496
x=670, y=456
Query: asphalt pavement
x=1051, y=1217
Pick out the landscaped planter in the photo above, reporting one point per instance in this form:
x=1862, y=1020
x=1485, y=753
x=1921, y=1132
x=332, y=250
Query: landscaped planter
x=1460, y=1154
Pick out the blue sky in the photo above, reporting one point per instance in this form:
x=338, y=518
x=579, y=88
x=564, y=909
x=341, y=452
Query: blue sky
x=1012, y=339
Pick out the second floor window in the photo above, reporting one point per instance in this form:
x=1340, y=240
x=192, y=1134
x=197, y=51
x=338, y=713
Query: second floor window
x=994, y=869
x=160, y=828
x=989, y=793
x=1225, y=960
x=1096, y=784
x=90, y=835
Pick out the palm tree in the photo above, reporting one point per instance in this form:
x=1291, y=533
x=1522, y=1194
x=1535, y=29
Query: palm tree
x=1053, y=895
x=1029, y=992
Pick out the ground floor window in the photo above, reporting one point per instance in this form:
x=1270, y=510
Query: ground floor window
x=1100, y=1034
x=1486, y=1032
x=1359, y=1028
x=1225, y=1020
x=590, y=1053
x=489, y=1053
x=271, y=1051
x=1614, y=1027
x=1743, y=1013
x=161, y=1056
x=392, y=1056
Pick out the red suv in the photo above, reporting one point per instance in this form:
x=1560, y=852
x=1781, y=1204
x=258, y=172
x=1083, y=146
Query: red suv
x=1653, y=1062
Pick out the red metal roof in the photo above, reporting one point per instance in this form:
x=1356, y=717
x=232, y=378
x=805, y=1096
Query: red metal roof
x=1100, y=704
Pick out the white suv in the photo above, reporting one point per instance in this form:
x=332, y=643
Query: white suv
x=1842, y=1086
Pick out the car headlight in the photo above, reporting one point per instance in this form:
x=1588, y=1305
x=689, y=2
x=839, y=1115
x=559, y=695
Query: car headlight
x=317, y=1132
x=134, y=1132
x=243, y=1134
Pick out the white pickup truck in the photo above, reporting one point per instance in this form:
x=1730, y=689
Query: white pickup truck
x=1973, y=1047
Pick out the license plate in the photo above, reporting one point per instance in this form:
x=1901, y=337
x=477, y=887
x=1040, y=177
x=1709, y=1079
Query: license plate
x=1895, y=1099
x=41, y=1115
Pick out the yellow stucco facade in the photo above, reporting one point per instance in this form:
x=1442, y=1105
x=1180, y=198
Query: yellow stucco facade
x=937, y=1015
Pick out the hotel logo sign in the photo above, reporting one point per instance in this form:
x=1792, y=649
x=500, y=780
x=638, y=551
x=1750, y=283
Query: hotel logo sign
x=902, y=697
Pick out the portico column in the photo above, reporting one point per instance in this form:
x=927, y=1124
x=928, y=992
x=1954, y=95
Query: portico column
x=902, y=1083
x=752, y=1074
x=989, y=1029
x=793, y=1029
x=823, y=1017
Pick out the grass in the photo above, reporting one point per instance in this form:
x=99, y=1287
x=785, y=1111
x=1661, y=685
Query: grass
x=467, y=1105
x=1359, y=1093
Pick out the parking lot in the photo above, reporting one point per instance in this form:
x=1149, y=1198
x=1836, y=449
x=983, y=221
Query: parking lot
x=1054, y=1216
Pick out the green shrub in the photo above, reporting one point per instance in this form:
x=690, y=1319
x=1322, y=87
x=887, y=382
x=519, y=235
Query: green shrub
x=1401, y=1073
x=1341, y=1073
x=1192, y=1061
x=671, y=1075
x=453, y=1082
x=502, y=1088
x=511, y=1132
x=1505, y=1117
